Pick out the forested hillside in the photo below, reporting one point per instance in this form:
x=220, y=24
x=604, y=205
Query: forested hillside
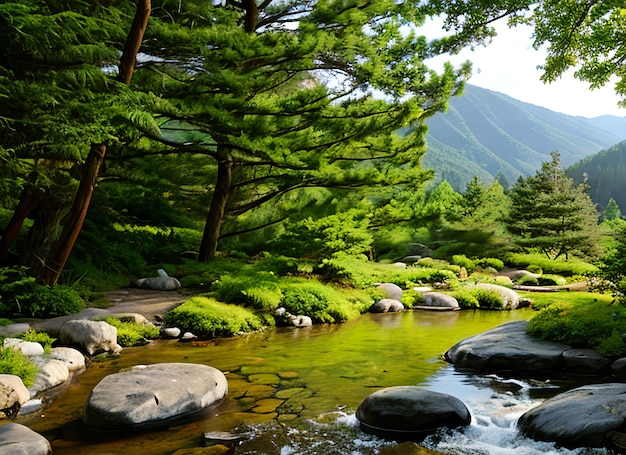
x=485, y=133
x=606, y=175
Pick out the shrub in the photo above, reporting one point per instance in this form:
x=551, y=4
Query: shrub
x=21, y=296
x=38, y=337
x=208, y=318
x=463, y=261
x=132, y=334
x=594, y=325
x=12, y=361
x=411, y=298
x=537, y=263
x=258, y=290
x=487, y=298
x=490, y=262
x=466, y=299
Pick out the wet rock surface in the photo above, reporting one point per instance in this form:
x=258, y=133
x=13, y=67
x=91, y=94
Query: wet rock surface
x=16, y=439
x=149, y=396
x=410, y=412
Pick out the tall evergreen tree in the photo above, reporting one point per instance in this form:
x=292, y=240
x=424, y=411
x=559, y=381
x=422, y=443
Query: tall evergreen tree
x=292, y=94
x=612, y=211
x=551, y=214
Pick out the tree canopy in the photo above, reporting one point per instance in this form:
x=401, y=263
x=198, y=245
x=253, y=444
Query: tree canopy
x=588, y=36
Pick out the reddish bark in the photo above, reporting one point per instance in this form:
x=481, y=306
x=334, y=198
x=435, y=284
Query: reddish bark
x=27, y=204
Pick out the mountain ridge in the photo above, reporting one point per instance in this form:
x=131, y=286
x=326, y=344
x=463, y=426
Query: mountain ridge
x=487, y=134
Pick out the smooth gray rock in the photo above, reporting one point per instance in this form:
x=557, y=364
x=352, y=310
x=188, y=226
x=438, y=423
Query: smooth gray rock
x=439, y=300
x=387, y=306
x=506, y=348
x=585, y=361
x=73, y=358
x=392, y=291
x=163, y=282
x=92, y=336
x=301, y=321
x=587, y=416
x=155, y=395
x=51, y=373
x=11, y=330
x=619, y=368
x=410, y=412
x=53, y=326
x=16, y=439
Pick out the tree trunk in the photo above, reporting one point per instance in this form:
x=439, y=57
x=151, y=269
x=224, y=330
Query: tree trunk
x=133, y=41
x=75, y=219
x=215, y=217
x=27, y=204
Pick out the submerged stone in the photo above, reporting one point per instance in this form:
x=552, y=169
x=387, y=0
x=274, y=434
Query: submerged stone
x=151, y=396
x=410, y=412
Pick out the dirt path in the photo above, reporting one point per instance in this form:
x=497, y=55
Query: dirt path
x=151, y=304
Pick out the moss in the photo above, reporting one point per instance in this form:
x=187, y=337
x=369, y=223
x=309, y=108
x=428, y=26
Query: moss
x=132, y=334
x=208, y=318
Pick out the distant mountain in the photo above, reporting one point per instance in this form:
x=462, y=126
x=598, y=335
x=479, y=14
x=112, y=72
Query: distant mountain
x=606, y=175
x=488, y=134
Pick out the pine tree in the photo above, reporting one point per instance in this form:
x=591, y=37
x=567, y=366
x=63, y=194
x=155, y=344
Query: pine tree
x=551, y=214
x=612, y=211
x=293, y=95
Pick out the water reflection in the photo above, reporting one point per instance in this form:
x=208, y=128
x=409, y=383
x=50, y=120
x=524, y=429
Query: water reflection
x=297, y=389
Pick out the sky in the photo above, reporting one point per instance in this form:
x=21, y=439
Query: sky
x=509, y=65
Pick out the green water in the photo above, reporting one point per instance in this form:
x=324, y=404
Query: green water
x=284, y=378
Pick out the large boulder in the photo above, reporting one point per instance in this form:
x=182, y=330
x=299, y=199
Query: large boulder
x=91, y=336
x=13, y=394
x=391, y=291
x=588, y=416
x=51, y=373
x=438, y=300
x=506, y=348
x=150, y=396
x=510, y=299
x=410, y=412
x=27, y=348
x=16, y=439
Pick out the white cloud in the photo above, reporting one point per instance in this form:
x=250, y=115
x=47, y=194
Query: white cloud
x=509, y=65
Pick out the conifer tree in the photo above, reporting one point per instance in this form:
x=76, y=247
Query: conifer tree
x=551, y=214
x=293, y=94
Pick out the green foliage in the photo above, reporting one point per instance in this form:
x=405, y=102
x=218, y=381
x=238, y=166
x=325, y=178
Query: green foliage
x=260, y=290
x=487, y=299
x=490, y=262
x=586, y=325
x=38, y=337
x=466, y=299
x=463, y=261
x=537, y=263
x=21, y=296
x=14, y=362
x=411, y=298
x=207, y=318
x=131, y=333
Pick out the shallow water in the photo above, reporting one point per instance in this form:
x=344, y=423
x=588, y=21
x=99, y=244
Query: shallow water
x=294, y=391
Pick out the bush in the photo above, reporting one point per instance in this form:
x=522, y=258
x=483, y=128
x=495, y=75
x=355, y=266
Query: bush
x=594, y=325
x=208, y=318
x=14, y=362
x=258, y=290
x=537, y=263
x=490, y=262
x=487, y=298
x=132, y=334
x=411, y=298
x=466, y=299
x=21, y=296
x=463, y=261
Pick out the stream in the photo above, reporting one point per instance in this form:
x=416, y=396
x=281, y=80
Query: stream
x=295, y=391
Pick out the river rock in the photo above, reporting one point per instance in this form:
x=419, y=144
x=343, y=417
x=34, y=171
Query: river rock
x=506, y=348
x=391, y=291
x=301, y=321
x=53, y=326
x=440, y=300
x=619, y=368
x=11, y=330
x=27, y=348
x=13, y=394
x=73, y=358
x=585, y=361
x=16, y=439
x=410, y=412
x=92, y=336
x=163, y=282
x=588, y=416
x=51, y=373
x=387, y=306
x=510, y=298
x=155, y=395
